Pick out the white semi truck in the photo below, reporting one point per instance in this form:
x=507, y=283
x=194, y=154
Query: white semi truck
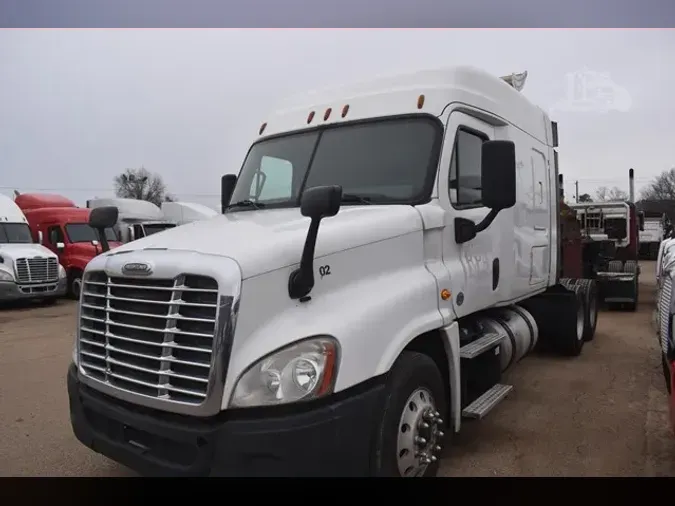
x=656, y=227
x=351, y=323
x=136, y=219
x=182, y=213
x=27, y=270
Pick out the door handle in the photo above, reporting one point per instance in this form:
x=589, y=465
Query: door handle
x=540, y=228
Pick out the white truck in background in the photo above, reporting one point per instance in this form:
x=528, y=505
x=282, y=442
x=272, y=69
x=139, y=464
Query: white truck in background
x=655, y=227
x=136, y=219
x=182, y=213
x=349, y=324
x=27, y=270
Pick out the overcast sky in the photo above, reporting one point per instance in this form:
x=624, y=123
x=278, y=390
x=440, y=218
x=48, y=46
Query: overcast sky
x=79, y=106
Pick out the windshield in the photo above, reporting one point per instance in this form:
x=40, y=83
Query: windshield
x=15, y=233
x=390, y=161
x=82, y=232
x=153, y=228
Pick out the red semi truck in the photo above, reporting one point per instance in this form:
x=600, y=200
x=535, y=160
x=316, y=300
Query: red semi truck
x=58, y=224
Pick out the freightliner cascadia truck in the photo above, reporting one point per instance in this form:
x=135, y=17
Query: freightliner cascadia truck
x=352, y=323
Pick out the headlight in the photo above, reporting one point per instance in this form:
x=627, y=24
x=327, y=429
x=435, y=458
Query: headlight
x=62, y=272
x=6, y=275
x=300, y=372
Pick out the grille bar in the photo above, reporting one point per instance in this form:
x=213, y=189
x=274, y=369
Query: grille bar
x=153, y=337
x=37, y=270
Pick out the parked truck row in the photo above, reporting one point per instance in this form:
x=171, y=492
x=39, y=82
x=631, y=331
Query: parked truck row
x=350, y=322
x=42, y=223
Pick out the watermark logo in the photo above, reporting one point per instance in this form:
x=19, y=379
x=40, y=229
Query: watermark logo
x=590, y=91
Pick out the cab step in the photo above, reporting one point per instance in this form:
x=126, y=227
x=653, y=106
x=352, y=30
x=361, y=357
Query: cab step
x=479, y=346
x=484, y=404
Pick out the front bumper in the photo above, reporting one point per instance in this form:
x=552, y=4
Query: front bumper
x=326, y=439
x=11, y=291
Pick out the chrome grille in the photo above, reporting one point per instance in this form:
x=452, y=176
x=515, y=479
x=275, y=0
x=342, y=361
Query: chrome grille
x=665, y=294
x=153, y=337
x=37, y=270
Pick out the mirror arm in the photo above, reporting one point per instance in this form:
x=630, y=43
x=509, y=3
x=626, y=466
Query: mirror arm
x=301, y=280
x=103, y=240
x=487, y=221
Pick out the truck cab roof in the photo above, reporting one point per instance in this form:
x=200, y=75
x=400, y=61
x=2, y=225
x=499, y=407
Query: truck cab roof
x=400, y=95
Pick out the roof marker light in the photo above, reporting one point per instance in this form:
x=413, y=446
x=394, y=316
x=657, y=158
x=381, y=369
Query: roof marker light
x=327, y=114
x=262, y=128
x=345, y=110
x=420, y=101
x=310, y=117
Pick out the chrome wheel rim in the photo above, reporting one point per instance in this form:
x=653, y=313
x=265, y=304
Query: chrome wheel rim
x=419, y=434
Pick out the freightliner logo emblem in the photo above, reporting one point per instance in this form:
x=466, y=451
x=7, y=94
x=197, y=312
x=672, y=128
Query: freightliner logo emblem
x=137, y=269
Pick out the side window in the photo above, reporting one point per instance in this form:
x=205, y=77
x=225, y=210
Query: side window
x=55, y=235
x=138, y=231
x=464, y=184
x=274, y=180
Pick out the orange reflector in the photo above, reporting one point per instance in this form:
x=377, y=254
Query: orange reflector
x=345, y=110
x=420, y=101
x=445, y=294
x=327, y=114
x=310, y=117
x=262, y=128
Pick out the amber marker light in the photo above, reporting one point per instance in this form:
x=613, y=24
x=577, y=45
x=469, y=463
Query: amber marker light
x=420, y=101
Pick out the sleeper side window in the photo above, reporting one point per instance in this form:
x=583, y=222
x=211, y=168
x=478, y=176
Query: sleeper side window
x=464, y=183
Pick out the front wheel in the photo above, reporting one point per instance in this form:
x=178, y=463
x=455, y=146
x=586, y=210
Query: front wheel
x=74, y=284
x=410, y=435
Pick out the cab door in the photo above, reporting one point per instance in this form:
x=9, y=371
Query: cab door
x=474, y=266
x=54, y=238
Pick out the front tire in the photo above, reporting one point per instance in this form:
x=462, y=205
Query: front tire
x=411, y=430
x=74, y=284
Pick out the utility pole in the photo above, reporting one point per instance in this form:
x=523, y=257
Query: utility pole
x=576, y=191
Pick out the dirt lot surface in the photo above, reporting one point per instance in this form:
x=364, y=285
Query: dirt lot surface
x=600, y=414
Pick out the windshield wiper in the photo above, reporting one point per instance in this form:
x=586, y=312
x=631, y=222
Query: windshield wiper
x=350, y=197
x=246, y=203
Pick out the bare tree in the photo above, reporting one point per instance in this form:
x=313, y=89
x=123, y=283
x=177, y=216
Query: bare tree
x=661, y=188
x=614, y=194
x=142, y=185
x=585, y=197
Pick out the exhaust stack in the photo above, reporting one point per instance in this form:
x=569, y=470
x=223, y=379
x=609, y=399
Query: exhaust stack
x=631, y=185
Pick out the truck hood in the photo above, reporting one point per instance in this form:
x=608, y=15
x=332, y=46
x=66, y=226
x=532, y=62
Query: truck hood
x=266, y=240
x=14, y=251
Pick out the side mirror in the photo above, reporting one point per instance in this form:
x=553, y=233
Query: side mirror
x=498, y=181
x=132, y=234
x=498, y=174
x=321, y=202
x=316, y=203
x=40, y=237
x=102, y=218
x=641, y=221
x=227, y=184
x=60, y=246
